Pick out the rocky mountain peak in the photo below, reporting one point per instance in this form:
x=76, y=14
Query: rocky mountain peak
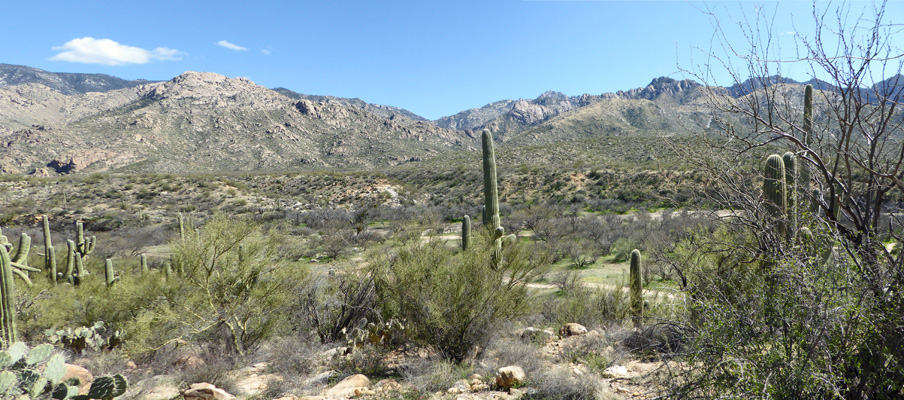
x=212, y=88
x=659, y=87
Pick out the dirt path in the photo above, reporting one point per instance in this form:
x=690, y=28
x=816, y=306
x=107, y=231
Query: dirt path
x=647, y=292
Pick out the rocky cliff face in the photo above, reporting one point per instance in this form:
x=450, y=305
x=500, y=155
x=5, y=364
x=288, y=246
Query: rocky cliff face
x=203, y=122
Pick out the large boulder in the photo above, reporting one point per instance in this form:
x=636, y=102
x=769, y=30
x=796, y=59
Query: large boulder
x=510, y=376
x=206, y=391
x=349, y=387
x=83, y=375
x=572, y=329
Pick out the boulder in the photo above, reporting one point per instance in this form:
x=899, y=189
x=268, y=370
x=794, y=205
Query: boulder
x=572, y=329
x=206, y=391
x=83, y=375
x=510, y=376
x=534, y=335
x=348, y=386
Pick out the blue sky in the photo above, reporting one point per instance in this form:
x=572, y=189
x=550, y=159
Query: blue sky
x=434, y=58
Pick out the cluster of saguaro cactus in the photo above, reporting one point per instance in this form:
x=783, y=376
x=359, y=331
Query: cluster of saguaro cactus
x=77, y=254
x=636, y=280
x=490, y=191
x=19, y=259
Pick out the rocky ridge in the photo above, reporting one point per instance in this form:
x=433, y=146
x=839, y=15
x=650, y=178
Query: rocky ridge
x=202, y=122
x=65, y=83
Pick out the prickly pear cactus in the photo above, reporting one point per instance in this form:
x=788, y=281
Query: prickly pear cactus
x=106, y=388
x=33, y=374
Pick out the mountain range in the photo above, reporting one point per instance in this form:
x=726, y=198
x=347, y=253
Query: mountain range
x=204, y=122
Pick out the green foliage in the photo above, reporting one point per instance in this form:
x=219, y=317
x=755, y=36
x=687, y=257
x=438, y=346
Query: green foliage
x=454, y=300
x=230, y=280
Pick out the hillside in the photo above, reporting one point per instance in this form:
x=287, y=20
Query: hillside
x=388, y=112
x=65, y=83
x=202, y=122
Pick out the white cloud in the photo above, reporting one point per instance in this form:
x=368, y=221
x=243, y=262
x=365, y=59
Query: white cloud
x=89, y=50
x=230, y=46
x=265, y=51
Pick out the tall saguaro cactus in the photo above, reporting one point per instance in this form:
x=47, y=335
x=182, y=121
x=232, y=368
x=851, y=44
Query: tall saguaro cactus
x=49, y=259
x=776, y=192
x=465, y=232
x=803, y=169
x=636, y=288
x=808, y=115
x=84, y=246
x=109, y=275
x=791, y=177
x=490, y=191
x=8, y=334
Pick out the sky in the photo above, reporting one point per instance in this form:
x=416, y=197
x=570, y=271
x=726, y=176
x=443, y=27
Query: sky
x=432, y=57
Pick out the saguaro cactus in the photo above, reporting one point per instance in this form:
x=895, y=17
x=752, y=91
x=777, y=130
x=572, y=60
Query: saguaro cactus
x=48, y=245
x=808, y=115
x=144, y=263
x=109, y=274
x=791, y=190
x=70, y=262
x=775, y=190
x=803, y=169
x=465, y=232
x=490, y=192
x=636, y=288
x=53, y=265
x=8, y=334
x=84, y=246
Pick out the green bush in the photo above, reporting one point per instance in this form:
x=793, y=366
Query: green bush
x=453, y=300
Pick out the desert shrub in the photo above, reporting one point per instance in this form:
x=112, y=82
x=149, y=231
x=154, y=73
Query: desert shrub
x=336, y=304
x=229, y=288
x=587, y=306
x=431, y=376
x=454, y=300
x=368, y=360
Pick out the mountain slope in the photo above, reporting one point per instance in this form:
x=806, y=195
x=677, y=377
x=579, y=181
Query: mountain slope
x=388, y=112
x=65, y=83
x=200, y=122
